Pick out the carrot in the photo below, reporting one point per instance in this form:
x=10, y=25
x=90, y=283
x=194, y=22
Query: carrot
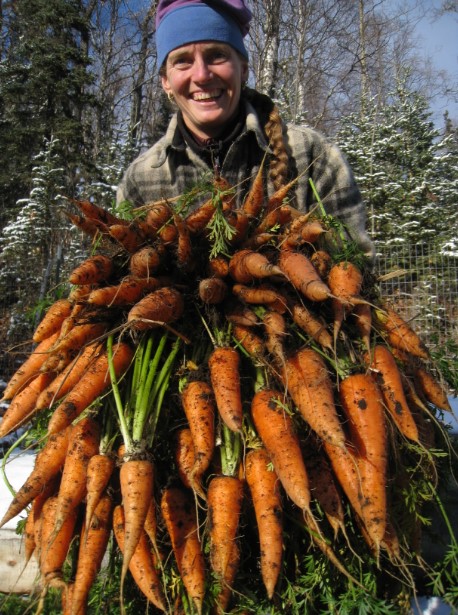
x=361, y=402
x=362, y=314
x=212, y=290
x=386, y=373
x=48, y=462
x=303, y=275
x=263, y=484
x=93, y=544
x=94, y=382
x=223, y=364
x=241, y=315
x=223, y=597
x=136, y=482
x=322, y=262
x=55, y=544
x=185, y=457
x=254, y=200
x=252, y=344
x=345, y=281
x=346, y=470
x=150, y=526
x=198, y=404
x=93, y=270
x=79, y=294
x=131, y=237
x=273, y=218
x=99, y=470
x=162, y=306
x=277, y=198
x=97, y=213
x=81, y=334
x=261, y=295
x=184, y=257
x=141, y=564
x=275, y=328
x=275, y=428
x=28, y=537
x=246, y=266
x=312, y=325
x=83, y=443
x=168, y=234
x=29, y=368
x=23, y=407
x=431, y=389
x=399, y=334
x=178, y=512
x=155, y=218
x=90, y=227
x=66, y=380
x=218, y=267
x=127, y=292
x=224, y=499
x=52, y=320
x=309, y=232
x=240, y=223
x=144, y=262
x=197, y=220
x=307, y=380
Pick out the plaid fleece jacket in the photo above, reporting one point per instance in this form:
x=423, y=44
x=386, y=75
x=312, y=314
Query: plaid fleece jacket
x=170, y=168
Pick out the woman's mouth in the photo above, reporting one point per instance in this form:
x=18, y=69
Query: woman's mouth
x=210, y=95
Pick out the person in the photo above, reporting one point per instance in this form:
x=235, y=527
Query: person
x=224, y=127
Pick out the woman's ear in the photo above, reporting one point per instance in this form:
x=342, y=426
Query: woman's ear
x=165, y=84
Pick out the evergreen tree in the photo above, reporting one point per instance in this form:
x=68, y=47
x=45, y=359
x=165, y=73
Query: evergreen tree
x=43, y=76
x=407, y=173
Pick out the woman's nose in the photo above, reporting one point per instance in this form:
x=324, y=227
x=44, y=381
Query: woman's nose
x=202, y=71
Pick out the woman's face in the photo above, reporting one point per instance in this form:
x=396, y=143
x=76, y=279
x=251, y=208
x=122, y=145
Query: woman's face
x=205, y=80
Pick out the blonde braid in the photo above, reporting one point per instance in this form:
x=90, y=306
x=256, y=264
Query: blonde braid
x=273, y=127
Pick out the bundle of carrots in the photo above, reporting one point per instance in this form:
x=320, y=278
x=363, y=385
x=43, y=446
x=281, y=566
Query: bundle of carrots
x=220, y=467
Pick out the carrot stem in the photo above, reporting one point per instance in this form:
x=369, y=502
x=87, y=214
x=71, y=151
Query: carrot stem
x=230, y=451
x=117, y=396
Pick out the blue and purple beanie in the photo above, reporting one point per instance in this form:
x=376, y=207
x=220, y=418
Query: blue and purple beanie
x=180, y=22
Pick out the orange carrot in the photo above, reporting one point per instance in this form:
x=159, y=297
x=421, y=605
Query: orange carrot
x=23, y=407
x=93, y=544
x=277, y=198
x=345, y=467
x=252, y=344
x=94, y=382
x=303, y=275
x=386, y=373
x=66, y=380
x=83, y=443
x=273, y=218
x=197, y=220
x=431, y=389
x=98, y=474
x=136, y=481
x=263, y=484
x=254, y=242
x=322, y=262
x=55, y=544
x=240, y=314
x=156, y=218
x=131, y=237
x=261, y=295
x=362, y=314
x=275, y=328
x=198, y=404
x=212, y=290
x=178, y=511
x=223, y=364
x=399, y=334
x=246, y=266
x=48, y=462
x=308, y=232
x=224, y=499
x=127, y=292
x=218, y=267
x=306, y=378
x=81, y=334
x=141, y=564
x=97, y=213
x=254, y=200
x=222, y=599
x=162, y=306
x=93, y=270
x=28, y=537
x=361, y=402
x=150, y=526
x=345, y=281
x=275, y=428
x=240, y=223
x=144, y=262
x=52, y=320
x=30, y=368
x=92, y=228
x=312, y=325
x=184, y=458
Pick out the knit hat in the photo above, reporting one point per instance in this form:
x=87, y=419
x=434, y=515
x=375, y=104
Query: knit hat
x=180, y=22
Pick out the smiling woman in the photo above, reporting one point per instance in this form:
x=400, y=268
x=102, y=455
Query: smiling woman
x=221, y=126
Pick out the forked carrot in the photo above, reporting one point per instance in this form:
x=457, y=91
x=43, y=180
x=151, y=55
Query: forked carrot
x=178, y=512
x=52, y=320
x=306, y=378
x=275, y=428
x=385, y=372
x=136, y=482
x=362, y=404
x=29, y=368
x=223, y=364
x=99, y=470
x=303, y=275
x=83, y=443
x=224, y=500
x=48, y=463
x=93, y=544
x=263, y=483
x=199, y=406
x=261, y=295
x=141, y=564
